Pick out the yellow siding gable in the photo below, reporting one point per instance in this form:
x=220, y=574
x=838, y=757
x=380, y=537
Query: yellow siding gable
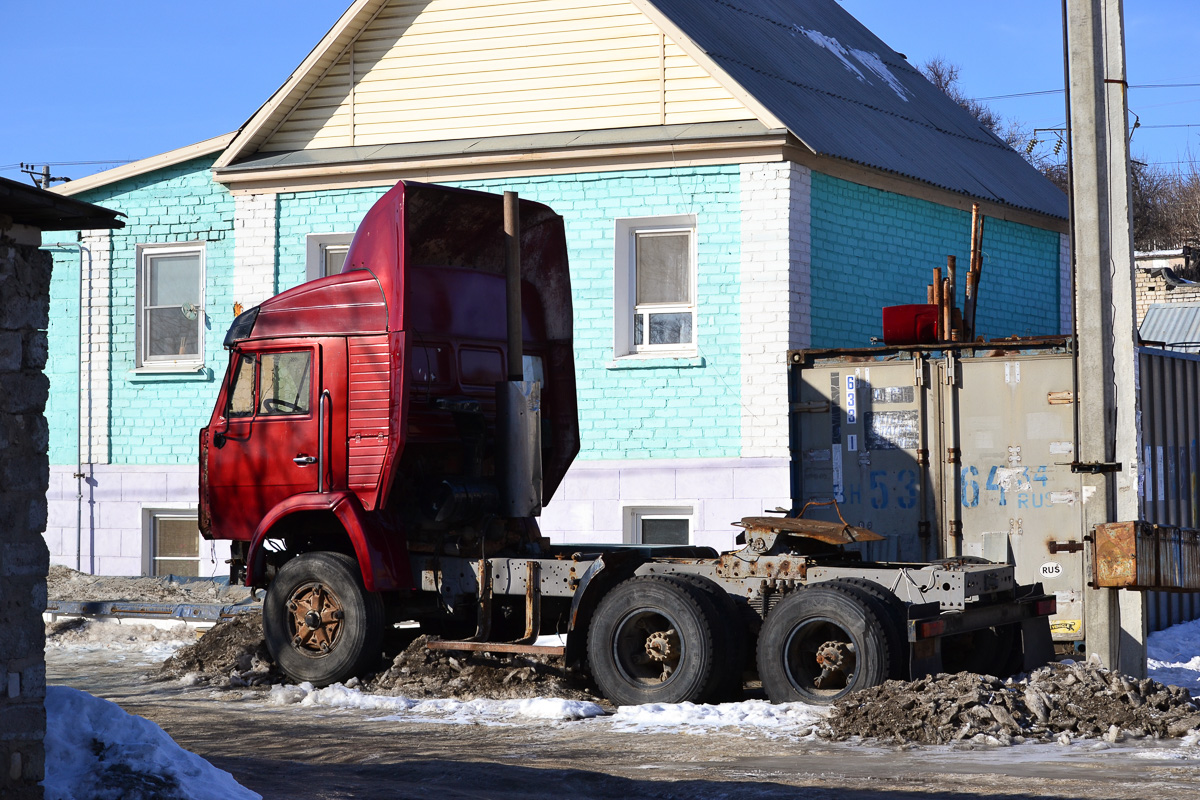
x=456, y=69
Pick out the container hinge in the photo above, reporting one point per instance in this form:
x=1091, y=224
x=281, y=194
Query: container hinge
x=1060, y=398
x=919, y=368
x=956, y=527
x=815, y=407
x=922, y=458
x=1070, y=546
x=1095, y=468
x=950, y=377
x=952, y=455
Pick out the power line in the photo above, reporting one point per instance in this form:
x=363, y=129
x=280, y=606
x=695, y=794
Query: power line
x=1060, y=91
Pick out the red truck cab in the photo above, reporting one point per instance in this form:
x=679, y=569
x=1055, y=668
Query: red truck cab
x=358, y=412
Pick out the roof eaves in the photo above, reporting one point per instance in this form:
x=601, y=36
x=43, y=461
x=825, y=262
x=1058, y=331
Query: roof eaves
x=142, y=166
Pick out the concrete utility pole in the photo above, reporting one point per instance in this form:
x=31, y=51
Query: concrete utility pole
x=1104, y=310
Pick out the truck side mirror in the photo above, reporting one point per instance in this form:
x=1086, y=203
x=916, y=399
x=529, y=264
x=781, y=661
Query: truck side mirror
x=218, y=440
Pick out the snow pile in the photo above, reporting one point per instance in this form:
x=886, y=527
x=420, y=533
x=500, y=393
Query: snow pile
x=66, y=584
x=1054, y=703
x=1173, y=656
x=97, y=751
x=793, y=719
x=146, y=643
x=442, y=709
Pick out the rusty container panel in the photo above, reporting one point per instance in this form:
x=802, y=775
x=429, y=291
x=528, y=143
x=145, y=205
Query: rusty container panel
x=1190, y=558
x=1117, y=553
x=1170, y=567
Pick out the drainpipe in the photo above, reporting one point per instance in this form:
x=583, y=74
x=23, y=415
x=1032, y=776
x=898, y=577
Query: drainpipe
x=85, y=424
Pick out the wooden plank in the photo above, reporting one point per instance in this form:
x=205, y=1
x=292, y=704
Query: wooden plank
x=494, y=84
x=497, y=647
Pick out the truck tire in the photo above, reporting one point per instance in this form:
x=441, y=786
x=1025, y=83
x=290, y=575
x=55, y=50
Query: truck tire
x=889, y=607
x=729, y=639
x=651, y=641
x=822, y=642
x=320, y=624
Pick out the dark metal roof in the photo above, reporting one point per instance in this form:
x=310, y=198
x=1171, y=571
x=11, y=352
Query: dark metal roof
x=844, y=93
x=1174, y=326
x=37, y=208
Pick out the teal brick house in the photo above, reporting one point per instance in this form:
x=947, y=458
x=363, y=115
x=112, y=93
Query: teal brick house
x=736, y=180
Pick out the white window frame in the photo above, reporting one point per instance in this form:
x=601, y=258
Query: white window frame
x=186, y=363
x=625, y=286
x=207, y=563
x=634, y=516
x=316, y=245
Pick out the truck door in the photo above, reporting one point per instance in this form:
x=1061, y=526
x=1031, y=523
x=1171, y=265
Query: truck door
x=264, y=449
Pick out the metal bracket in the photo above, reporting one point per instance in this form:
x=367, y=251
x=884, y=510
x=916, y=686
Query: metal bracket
x=1070, y=546
x=952, y=454
x=1095, y=468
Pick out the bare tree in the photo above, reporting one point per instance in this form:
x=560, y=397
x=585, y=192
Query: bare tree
x=946, y=76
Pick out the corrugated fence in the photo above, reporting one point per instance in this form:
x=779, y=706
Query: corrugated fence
x=1170, y=398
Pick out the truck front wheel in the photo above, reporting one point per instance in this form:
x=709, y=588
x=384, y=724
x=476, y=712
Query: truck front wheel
x=822, y=642
x=320, y=624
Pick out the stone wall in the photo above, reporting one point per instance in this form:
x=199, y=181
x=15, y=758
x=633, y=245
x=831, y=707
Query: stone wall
x=24, y=311
x=1150, y=289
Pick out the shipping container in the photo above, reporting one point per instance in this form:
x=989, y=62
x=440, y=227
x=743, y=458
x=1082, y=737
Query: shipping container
x=956, y=450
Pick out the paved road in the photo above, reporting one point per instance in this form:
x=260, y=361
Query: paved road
x=295, y=752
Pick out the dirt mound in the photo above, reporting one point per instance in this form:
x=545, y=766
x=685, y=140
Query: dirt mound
x=112, y=634
x=232, y=653
x=1054, y=703
x=419, y=672
x=64, y=583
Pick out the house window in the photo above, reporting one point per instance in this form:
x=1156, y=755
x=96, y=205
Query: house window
x=655, y=287
x=174, y=545
x=326, y=254
x=659, y=525
x=170, y=306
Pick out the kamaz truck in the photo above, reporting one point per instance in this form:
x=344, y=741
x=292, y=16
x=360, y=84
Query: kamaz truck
x=384, y=439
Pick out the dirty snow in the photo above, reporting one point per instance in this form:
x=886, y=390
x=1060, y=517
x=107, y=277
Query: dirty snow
x=121, y=641
x=97, y=751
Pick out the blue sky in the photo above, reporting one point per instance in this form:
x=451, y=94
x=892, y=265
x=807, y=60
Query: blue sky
x=121, y=81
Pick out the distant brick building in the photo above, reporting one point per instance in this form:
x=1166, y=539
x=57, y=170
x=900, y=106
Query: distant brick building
x=794, y=172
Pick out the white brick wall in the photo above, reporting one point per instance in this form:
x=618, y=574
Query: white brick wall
x=1066, y=305
x=94, y=370
x=254, y=224
x=775, y=298
x=595, y=498
x=109, y=526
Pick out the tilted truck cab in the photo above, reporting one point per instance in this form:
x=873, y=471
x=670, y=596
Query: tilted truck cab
x=380, y=452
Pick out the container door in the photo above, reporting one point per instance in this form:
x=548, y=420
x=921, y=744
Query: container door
x=265, y=448
x=1011, y=420
x=859, y=437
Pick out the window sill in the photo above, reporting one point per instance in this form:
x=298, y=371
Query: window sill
x=171, y=372
x=655, y=362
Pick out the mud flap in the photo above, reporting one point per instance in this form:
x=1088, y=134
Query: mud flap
x=925, y=657
x=1036, y=643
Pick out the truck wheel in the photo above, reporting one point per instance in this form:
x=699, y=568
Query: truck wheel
x=651, y=641
x=321, y=625
x=729, y=639
x=821, y=643
x=889, y=607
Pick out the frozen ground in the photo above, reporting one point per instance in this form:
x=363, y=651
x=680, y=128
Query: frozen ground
x=344, y=742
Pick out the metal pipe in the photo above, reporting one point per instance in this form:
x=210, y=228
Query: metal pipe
x=323, y=425
x=85, y=423
x=512, y=272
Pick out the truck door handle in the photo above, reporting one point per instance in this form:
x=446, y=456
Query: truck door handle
x=304, y=461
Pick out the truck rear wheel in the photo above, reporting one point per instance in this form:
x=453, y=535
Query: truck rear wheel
x=320, y=624
x=729, y=639
x=651, y=641
x=821, y=643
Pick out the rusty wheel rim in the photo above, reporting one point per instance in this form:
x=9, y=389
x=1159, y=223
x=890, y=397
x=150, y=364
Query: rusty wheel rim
x=314, y=619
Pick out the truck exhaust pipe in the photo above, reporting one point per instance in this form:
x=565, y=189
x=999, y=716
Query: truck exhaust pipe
x=518, y=401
